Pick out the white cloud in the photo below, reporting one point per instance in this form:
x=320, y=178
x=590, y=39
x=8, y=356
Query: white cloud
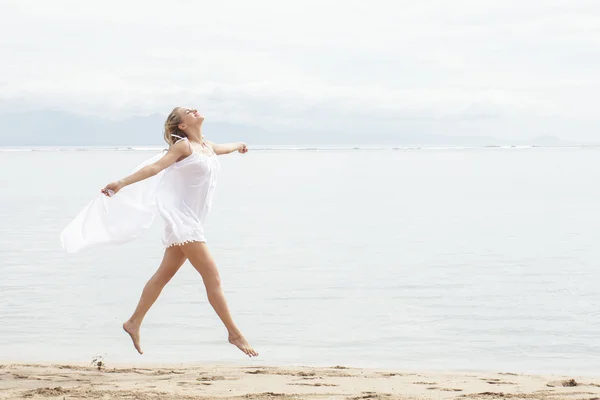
x=516, y=64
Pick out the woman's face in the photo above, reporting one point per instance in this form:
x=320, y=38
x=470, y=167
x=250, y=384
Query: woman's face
x=189, y=117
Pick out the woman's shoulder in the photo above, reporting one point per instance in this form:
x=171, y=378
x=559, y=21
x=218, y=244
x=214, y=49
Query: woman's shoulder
x=210, y=143
x=182, y=147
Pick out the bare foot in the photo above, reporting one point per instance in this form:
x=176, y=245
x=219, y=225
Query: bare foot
x=134, y=331
x=242, y=344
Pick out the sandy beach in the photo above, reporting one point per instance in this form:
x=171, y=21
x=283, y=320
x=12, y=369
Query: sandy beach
x=20, y=381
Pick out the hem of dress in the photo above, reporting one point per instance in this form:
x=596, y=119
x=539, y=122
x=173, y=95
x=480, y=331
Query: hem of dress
x=186, y=242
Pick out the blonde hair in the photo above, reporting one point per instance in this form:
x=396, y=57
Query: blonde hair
x=172, y=132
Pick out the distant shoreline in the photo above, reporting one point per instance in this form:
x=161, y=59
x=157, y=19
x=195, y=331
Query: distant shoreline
x=298, y=148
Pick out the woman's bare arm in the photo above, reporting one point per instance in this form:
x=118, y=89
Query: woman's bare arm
x=176, y=151
x=227, y=148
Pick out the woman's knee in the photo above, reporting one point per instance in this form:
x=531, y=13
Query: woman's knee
x=203, y=262
x=212, y=281
x=162, y=277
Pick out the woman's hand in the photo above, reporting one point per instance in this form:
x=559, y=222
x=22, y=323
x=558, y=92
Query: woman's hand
x=242, y=148
x=112, y=188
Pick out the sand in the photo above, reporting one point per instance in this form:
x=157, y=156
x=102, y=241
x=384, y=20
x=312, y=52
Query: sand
x=19, y=381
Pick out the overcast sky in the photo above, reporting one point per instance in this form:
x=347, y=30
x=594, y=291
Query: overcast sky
x=508, y=68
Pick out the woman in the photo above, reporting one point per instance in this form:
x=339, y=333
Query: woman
x=183, y=198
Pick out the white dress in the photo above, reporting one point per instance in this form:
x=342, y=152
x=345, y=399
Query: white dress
x=182, y=195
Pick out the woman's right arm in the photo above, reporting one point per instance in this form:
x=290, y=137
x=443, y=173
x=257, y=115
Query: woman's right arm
x=176, y=151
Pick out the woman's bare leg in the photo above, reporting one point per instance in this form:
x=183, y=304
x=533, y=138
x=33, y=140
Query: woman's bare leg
x=172, y=261
x=203, y=262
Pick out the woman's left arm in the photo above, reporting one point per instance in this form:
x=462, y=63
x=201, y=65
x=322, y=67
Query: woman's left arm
x=227, y=148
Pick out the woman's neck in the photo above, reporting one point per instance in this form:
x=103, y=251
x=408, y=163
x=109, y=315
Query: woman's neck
x=195, y=135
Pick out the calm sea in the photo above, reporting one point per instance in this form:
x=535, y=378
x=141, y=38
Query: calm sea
x=461, y=259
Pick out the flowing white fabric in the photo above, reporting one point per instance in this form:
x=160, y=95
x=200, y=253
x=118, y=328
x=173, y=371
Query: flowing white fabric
x=117, y=219
x=182, y=194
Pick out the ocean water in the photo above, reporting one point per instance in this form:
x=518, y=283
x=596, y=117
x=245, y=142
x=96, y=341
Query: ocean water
x=456, y=259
